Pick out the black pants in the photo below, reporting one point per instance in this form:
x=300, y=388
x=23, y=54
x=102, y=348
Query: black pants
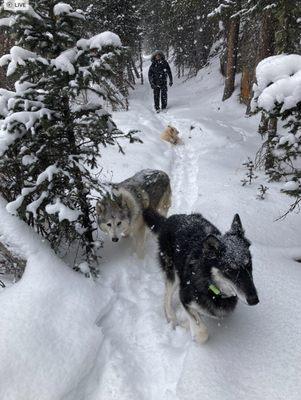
x=163, y=91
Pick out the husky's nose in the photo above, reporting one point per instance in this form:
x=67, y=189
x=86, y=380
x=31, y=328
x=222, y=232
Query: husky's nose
x=252, y=301
x=115, y=239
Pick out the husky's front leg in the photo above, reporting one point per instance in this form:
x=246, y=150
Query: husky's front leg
x=198, y=329
x=139, y=240
x=170, y=288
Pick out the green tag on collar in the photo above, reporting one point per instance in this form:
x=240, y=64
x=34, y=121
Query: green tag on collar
x=214, y=289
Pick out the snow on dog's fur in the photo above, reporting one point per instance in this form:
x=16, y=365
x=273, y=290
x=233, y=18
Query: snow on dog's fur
x=211, y=271
x=120, y=212
x=171, y=135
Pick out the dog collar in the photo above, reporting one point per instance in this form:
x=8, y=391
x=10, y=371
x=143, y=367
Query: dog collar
x=214, y=289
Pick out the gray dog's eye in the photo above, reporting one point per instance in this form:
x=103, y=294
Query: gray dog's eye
x=119, y=223
x=109, y=224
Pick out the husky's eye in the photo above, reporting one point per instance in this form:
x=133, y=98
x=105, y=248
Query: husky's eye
x=109, y=224
x=119, y=223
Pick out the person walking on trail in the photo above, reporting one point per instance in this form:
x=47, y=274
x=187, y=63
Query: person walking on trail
x=157, y=76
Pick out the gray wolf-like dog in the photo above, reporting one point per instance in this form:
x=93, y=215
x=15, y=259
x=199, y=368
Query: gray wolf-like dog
x=120, y=211
x=210, y=270
x=171, y=135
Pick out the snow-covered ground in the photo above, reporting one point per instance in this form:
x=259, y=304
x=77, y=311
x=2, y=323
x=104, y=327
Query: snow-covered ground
x=64, y=337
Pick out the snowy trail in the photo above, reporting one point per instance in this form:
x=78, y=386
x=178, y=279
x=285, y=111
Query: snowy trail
x=146, y=355
x=147, y=360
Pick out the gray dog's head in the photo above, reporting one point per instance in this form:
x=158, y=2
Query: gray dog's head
x=113, y=217
x=233, y=270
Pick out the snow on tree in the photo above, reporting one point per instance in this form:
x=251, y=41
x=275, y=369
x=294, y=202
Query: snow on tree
x=123, y=17
x=55, y=121
x=278, y=94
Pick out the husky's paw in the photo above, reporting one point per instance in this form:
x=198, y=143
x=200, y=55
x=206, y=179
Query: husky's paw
x=172, y=321
x=185, y=324
x=201, y=336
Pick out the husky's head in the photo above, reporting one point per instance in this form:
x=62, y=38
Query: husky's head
x=113, y=217
x=233, y=270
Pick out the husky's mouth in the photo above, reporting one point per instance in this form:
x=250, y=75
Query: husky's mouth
x=249, y=300
x=228, y=288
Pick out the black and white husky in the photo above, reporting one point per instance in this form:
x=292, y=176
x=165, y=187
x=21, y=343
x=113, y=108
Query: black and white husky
x=209, y=269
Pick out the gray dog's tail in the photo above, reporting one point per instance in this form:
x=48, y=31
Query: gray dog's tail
x=153, y=219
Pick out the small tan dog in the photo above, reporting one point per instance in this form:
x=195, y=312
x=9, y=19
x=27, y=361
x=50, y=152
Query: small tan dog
x=171, y=135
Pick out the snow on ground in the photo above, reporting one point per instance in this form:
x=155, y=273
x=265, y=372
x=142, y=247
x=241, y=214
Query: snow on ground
x=51, y=347
x=49, y=341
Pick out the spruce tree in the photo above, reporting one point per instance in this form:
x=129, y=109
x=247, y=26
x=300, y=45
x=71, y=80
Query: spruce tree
x=277, y=96
x=54, y=122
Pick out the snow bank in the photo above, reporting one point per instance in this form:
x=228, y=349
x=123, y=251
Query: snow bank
x=104, y=39
x=48, y=339
x=278, y=81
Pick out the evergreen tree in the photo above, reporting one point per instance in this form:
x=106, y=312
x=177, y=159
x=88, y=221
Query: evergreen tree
x=156, y=19
x=278, y=97
x=55, y=121
x=182, y=28
x=124, y=18
x=288, y=31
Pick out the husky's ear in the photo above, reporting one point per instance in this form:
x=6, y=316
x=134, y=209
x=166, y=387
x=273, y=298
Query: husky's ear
x=100, y=208
x=236, y=227
x=211, y=246
x=127, y=201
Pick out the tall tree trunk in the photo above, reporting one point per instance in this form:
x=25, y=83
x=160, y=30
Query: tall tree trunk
x=141, y=62
x=131, y=76
x=232, y=49
x=135, y=69
x=267, y=36
x=266, y=49
x=245, y=85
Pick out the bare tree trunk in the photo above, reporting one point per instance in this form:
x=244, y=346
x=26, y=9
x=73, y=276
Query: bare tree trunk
x=131, y=76
x=266, y=49
x=245, y=85
x=232, y=49
x=267, y=36
x=141, y=63
x=135, y=69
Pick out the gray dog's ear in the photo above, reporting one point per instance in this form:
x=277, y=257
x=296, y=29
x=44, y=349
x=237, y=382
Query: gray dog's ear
x=100, y=207
x=211, y=246
x=236, y=227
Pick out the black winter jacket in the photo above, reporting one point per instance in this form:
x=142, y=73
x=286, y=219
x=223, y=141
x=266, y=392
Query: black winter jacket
x=158, y=71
